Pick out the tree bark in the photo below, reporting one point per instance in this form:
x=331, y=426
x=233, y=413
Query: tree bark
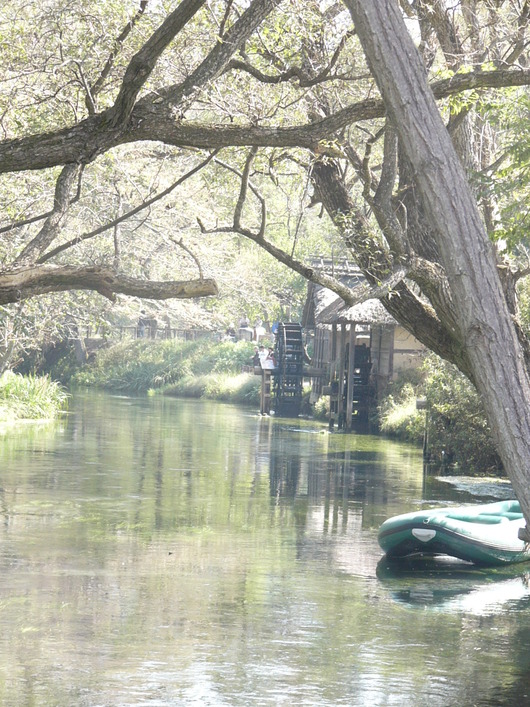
x=483, y=319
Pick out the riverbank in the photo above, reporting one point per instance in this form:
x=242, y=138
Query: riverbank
x=29, y=398
x=189, y=369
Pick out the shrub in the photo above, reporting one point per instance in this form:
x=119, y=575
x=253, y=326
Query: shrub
x=243, y=388
x=458, y=425
x=399, y=416
x=458, y=430
x=321, y=408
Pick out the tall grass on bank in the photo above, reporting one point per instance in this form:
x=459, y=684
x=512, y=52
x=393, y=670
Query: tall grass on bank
x=202, y=368
x=30, y=398
x=230, y=388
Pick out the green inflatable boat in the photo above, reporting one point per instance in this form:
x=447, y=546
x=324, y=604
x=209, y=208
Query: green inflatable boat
x=484, y=534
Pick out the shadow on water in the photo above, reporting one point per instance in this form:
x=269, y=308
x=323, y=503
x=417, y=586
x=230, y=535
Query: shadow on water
x=450, y=585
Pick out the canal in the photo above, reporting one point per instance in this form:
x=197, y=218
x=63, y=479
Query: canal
x=168, y=552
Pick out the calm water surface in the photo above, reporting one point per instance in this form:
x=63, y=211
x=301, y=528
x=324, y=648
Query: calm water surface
x=166, y=552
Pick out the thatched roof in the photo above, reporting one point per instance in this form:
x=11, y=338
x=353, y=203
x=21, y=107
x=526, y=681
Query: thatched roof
x=325, y=307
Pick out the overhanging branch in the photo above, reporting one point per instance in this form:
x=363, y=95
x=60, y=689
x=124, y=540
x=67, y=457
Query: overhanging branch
x=129, y=214
x=150, y=121
x=23, y=283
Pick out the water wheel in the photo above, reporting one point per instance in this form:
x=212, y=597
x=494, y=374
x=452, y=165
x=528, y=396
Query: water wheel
x=289, y=372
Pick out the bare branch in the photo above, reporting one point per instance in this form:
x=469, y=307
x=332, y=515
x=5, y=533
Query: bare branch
x=243, y=190
x=127, y=215
x=305, y=80
x=180, y=244
x=89, y=98
x=116, y=234
x=143, y=63
x=214, y=64
x=222, y=26
x=366, y=172
x=312, y=274
x=40, y=217
x=53, y=223
x=521, y=43
x=92, y=91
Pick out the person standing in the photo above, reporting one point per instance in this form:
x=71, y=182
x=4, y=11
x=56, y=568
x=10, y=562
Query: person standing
x=142, y=323
x=269, y=363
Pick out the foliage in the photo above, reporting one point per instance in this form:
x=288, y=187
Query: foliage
x=30, y=398
x=524, y=304
x=458, y=432
x=243, y=388
x=457, y=420
x=139, y=366
x=509, y=182
x=321, y=408
x=399, y=417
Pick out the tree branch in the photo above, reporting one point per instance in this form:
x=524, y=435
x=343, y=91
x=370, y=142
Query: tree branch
x=180, y=243
x=246, y=183
x=149, y=121
x=22, y=283
x=382, y=202
x=521, y=42
x=305, y=80
x=51, y=227
x=215, y=63
x=112, y=224
x=243, y=190
x=40, y=217
x=93, y=90
x=143, y=63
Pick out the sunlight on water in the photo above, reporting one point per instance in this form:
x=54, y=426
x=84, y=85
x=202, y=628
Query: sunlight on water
x=169, y=552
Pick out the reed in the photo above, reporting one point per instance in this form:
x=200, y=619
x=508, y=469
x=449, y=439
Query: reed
x=30, y=397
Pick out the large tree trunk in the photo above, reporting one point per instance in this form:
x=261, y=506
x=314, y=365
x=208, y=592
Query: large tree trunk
x=483, y=319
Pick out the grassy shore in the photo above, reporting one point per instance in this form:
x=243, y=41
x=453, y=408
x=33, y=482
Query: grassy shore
x=198, y=369
x=29, y=398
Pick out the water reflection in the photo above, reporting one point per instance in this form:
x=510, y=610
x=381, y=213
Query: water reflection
x=452, y=585
x=169, y=552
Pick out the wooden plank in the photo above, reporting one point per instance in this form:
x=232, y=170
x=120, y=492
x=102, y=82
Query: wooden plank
x=314, y=372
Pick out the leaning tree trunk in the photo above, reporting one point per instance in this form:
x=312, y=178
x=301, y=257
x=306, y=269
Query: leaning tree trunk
x=484, y=325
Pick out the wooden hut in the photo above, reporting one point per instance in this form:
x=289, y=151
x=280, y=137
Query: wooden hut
x=362, y=347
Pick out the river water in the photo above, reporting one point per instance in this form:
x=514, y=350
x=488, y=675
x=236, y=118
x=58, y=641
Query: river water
x=167, y=552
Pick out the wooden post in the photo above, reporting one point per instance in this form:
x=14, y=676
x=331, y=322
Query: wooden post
x=265, y=397
x=342, y=357
x=334, y=387
x=351, y=369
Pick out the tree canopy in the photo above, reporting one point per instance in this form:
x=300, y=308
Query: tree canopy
x=95, y=88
